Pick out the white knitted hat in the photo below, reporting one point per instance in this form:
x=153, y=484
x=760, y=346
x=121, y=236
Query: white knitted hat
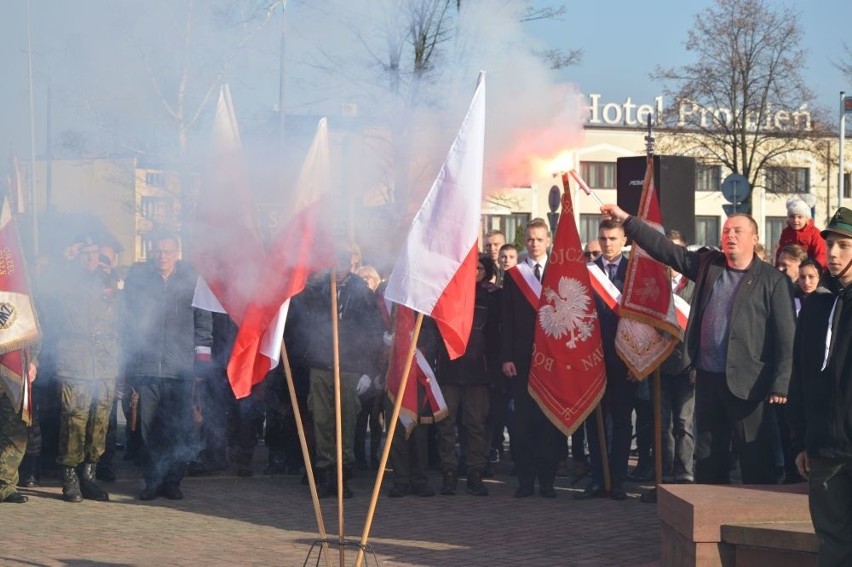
x=797, y=206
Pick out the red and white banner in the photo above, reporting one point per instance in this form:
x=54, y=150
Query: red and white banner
x=436, y=272
x=648, y=328
x=568, y=375
x=524, y=278
x=421, y=375
x=18, y=322
x=239, y=275
x=303, y=245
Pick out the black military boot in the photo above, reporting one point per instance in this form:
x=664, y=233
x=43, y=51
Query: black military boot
x=71, y=485
x=448, y=486
x=88, y=487
x=326, y=483
x=28, y=472
x=475, y=485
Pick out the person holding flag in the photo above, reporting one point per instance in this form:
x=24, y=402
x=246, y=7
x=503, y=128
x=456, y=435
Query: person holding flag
x=19, y=341
x=739, y=338
x=537, y=445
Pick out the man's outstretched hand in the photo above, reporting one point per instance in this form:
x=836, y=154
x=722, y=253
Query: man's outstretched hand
x=614, y=212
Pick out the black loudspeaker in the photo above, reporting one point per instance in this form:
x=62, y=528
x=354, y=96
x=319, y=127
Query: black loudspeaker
x=674, y=178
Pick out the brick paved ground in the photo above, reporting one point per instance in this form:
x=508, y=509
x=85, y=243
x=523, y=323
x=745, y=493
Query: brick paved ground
x=226, y=520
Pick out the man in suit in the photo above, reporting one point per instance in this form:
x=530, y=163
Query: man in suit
x=740, y=341
x=537, y=444
x=620, y=389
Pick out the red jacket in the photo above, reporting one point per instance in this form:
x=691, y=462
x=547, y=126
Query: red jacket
x=808, y=238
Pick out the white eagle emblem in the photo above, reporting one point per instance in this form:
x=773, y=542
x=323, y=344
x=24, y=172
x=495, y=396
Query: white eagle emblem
x=571, y=314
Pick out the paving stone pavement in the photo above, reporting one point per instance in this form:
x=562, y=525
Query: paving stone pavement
x=228, y=520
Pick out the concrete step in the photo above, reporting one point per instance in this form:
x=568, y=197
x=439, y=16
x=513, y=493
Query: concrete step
x=780, y=544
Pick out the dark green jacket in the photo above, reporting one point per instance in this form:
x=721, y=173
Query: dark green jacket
x=83, y=313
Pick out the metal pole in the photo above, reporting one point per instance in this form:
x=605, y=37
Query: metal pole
x=31, y=178
x=840, y=160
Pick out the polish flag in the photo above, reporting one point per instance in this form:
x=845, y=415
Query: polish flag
x=436, y=273
x=303, y=245
x=421, y=375
x=226, y=245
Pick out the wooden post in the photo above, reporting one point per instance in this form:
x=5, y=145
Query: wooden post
x=306, y=455
x=338, y=418
x=658, y=428
x=599, y=418
x=397, y=405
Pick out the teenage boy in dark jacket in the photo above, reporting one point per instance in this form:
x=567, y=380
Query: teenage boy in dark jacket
x=820, y=406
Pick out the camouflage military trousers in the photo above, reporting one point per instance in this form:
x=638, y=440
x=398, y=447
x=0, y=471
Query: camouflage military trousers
x=13, y=444
x=84, y=419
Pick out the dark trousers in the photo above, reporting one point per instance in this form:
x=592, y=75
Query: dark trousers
x=830, y=500
x=678, y=440
x=370, y=414
x=498, y=408
x=537, y=445
x=470, y=405
x=723, y=418
x=408, y=457
x=167, y=433
x=216, y=398
x=618, y=401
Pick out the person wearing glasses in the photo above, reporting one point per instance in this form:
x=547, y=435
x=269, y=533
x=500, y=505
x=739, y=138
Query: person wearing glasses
x=592, y=250
x=166, y=343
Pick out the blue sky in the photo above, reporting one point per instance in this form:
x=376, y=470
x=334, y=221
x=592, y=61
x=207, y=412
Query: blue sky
x=623, y=41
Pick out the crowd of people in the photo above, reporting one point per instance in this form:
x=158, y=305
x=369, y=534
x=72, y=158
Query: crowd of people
x=749, y=388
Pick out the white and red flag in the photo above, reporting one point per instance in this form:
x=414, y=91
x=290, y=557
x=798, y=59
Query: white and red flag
x=226, y=248
x=648, y=327
x=568, y=375
x=18, y=322
x=422, y=375
x=304, y=244
x=436, y=273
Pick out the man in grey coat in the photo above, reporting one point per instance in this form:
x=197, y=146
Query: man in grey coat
x=740, y=341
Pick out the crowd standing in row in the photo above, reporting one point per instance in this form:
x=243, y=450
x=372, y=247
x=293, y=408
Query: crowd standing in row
x=724, y=388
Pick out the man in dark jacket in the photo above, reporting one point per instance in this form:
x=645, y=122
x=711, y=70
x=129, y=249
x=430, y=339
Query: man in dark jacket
x=739, y=338
x=360, y=331
x=820, y=408
x=166, y=343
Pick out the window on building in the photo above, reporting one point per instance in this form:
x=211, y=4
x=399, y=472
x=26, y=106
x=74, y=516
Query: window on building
x=155, y=179
x=707, y=231
x=788, y=179
x=511, y=225
x=772, y=234
x=145, y=245
x=156, y=208
x=598, y=174
x=588, y=228
x=708, y=177
x=847, y=185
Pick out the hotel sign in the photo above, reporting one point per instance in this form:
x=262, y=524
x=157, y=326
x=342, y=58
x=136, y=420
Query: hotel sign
x=691, y=113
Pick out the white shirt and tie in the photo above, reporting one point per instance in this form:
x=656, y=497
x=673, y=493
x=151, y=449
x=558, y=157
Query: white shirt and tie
x=537, y=266
x=611, y=268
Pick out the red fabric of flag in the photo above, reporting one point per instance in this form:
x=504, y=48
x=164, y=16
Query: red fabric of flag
x=648, y=328
x=568, y=375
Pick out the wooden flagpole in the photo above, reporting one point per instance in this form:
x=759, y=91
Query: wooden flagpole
x=658, y=427
x=306, y=455
x=599, y=418
x=338, y=420
x=397, y=406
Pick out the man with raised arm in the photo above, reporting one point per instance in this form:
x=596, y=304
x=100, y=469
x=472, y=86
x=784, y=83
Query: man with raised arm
x=739, y=339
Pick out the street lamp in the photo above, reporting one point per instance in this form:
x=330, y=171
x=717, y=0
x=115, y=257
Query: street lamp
x=845, y=108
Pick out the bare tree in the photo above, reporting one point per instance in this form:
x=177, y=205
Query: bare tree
x=743, y=103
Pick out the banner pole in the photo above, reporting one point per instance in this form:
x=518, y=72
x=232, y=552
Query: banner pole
x=306, y=455
x=607, y=479
x=338, y=418
x=397, y=406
